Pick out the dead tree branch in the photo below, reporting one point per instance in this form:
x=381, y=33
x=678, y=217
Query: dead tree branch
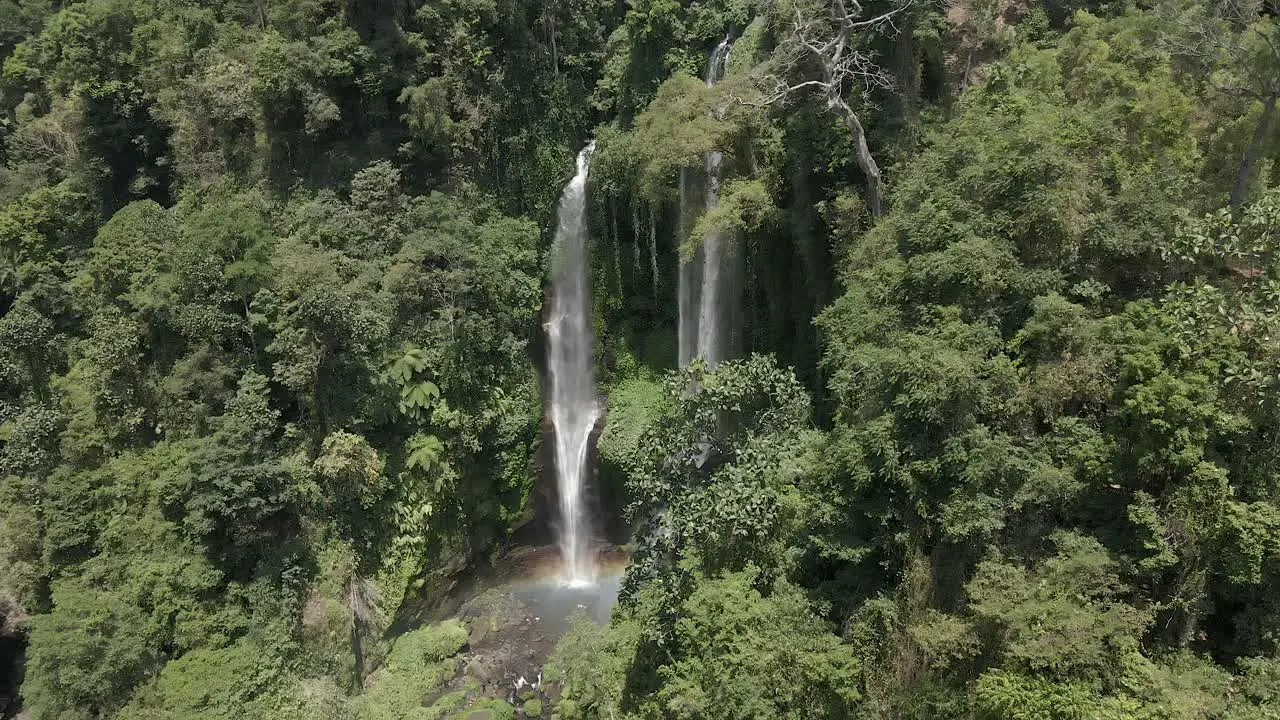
x=833, y=40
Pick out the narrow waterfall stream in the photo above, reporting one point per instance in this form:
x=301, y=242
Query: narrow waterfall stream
x=573, y=404
x=704, y=279
x=712, y=311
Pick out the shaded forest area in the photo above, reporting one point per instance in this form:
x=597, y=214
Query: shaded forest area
x=1000, y=441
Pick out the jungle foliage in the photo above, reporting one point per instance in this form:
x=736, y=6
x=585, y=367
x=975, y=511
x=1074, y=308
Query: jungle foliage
x=1001, y=441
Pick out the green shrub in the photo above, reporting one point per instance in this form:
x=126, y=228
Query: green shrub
x=428, y=645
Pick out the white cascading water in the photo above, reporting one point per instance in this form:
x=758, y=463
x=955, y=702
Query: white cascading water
x=703, y=280
x=574, y=409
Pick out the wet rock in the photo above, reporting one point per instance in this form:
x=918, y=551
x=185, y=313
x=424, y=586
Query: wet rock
x=511, y=626
x=494, y=610
x=483, y=670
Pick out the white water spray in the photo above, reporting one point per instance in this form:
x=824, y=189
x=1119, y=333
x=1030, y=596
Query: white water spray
x=574, y=409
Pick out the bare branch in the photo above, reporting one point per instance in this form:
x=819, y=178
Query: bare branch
x=837, y=45
x=883, y=19
x=1266, y=37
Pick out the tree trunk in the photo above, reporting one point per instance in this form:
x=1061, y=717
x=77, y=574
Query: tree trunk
x=1245, y=174
x=875, y=190
x=357, y=653
x=653, y=251
x=635, y=243
x=555, y=54
x=617, y=243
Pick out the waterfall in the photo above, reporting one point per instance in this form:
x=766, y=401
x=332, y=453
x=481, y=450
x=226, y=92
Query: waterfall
x=574, y=410
x=705, y=279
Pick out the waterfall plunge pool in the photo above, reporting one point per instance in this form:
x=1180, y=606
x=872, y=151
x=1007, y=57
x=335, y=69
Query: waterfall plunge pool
x=519, y=605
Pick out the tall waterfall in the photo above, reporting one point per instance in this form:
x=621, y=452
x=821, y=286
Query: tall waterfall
x=705, y=279
x=574, y=410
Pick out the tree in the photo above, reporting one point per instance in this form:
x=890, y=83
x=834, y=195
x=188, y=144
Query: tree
x=835, y=37
x=710, y=476
x=86, y=656
x=345, y=602
x=20, y=567
x=214, y=684
x=1238, y=44
x=744, y=652
x=1258, y=54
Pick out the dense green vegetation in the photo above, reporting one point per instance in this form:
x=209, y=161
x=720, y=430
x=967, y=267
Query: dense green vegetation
x=1002, y=442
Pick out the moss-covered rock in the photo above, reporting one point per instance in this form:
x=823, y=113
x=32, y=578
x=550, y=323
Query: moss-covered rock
x=429, y=644
x=420, y=664
x=488, y=709
x=447, y=704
